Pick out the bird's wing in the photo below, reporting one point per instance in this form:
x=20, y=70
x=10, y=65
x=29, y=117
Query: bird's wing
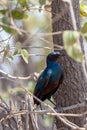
x=42, y=83
x=51, y=88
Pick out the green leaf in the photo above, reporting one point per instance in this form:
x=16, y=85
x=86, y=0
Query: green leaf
x=5, y=20
x=7, y=27
x=71, y=46
x=24, y=3
x=70, y=37
x=9, y=30
x=74, y=52
x=31, y=86
x=25, y=55
x=6, y=52
x=18, y=45
x=83, y=10
x=3, y=11
x=42, y=2
x=18, y=48
x=15, y=52
x=19, y=14
x=10, y=58
x=84, y=28
x=82, y=13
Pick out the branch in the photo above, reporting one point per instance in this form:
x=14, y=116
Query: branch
x=53, y=112
x=62, y=118
x=14, y=78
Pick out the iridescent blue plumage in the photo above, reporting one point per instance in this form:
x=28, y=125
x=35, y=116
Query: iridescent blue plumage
x=50, y=79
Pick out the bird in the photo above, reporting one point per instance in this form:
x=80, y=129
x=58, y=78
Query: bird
x=50, y=79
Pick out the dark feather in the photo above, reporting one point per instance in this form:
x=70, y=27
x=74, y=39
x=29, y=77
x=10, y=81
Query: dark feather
x=49, y=80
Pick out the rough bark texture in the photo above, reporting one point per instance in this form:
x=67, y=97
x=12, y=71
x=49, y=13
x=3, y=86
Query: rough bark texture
x=72, y=90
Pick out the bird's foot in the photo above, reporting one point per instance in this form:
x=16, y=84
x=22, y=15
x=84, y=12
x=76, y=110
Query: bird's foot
x=41, y=109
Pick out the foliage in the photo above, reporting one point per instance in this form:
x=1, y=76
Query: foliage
x=83, y=10
x=70, y=39
x=83, y=14
x=25, y=55
x=19, y=11
x=42, y=2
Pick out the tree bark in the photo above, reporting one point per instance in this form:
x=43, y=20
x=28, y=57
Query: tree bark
x=73, y=88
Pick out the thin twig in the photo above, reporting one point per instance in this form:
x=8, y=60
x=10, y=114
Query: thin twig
x=72, y=15
x=62, y=118
x=11, y=77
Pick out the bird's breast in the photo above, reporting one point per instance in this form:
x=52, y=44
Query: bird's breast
x=56, y=74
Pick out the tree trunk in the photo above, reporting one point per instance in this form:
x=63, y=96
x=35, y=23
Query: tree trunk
x=72, y=90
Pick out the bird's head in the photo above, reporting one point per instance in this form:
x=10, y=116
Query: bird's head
x=53, y=56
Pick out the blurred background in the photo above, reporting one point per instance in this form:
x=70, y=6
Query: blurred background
x=38, y=21
x=22, y=54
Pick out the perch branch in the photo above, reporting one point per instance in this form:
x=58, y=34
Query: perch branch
x=13, y=78
x=62, y=118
